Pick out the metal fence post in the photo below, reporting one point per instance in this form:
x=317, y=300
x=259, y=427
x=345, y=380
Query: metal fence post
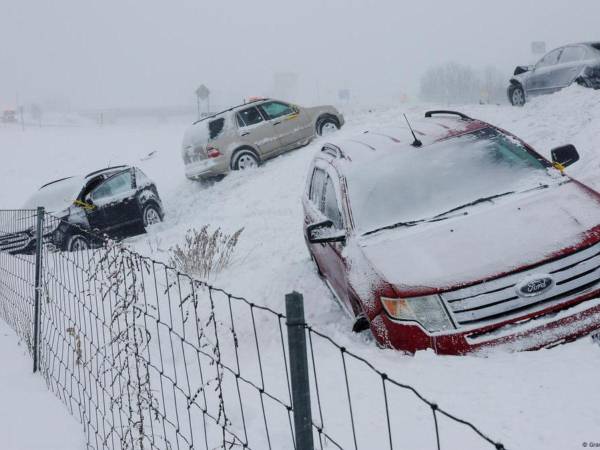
x=294, y=309
x=39, y=235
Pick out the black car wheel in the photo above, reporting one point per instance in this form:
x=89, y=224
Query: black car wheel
x=517, y=95
x=151, y=215
x=327, y=126
x=244, y=159
x=77, y=243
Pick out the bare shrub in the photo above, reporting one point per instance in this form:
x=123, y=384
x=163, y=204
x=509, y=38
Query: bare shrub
x=204, y=253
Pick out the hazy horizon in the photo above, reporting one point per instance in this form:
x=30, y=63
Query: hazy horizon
x=85, y=55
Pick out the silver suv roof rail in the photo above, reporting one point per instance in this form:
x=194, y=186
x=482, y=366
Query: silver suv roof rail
x=229, y=109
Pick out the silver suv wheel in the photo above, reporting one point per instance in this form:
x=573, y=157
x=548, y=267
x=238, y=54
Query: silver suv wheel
x=245, y=159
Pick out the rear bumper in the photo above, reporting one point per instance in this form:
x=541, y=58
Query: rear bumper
x=206, y=168
x=543, y=329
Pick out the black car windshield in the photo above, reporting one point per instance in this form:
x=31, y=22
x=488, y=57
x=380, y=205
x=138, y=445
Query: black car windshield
x=416, y=183
x=56, y=196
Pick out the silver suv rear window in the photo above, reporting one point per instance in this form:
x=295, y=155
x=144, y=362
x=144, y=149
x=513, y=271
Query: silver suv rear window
x=215, y=127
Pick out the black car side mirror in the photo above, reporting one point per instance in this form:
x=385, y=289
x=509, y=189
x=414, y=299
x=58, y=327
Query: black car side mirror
x=564, y=156
x=323, y=232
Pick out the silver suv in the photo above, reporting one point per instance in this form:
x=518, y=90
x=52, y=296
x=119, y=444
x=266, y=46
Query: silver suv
x=246, y=135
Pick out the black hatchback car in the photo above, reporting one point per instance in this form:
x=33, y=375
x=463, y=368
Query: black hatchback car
x=118, y=202
x=575, y=63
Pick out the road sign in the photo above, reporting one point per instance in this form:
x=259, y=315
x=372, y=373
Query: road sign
x=202, y=92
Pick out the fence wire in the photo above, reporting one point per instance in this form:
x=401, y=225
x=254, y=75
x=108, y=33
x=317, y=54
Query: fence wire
x=17, y=274
x=147, y=357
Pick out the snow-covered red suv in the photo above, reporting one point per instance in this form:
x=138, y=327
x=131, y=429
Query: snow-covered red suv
x=459, y=237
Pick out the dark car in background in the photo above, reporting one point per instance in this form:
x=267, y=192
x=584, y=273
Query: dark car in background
x=117, y=202
x=575, y=63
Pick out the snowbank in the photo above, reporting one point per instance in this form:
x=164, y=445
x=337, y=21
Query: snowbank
x=31, y=416
x=539, y=400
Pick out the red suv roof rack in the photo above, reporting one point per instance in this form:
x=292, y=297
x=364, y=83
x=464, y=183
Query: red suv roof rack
x=452, y=113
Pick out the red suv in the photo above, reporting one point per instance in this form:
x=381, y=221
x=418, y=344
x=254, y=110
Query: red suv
x=456, y=236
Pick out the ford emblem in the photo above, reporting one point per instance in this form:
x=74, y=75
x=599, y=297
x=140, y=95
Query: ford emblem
x=534, y=285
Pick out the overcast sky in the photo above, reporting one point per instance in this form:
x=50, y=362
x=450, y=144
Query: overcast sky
x=97, y=54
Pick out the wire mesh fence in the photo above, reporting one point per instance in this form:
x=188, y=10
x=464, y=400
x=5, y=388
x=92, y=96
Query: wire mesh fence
x=147, y=357
x=17, y=279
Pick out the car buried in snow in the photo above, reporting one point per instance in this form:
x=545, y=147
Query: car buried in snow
x=116, y=202
x=575, y=63
x=463, y=241
x=247, y=135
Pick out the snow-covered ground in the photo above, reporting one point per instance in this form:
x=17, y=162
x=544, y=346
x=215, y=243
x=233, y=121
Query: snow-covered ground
x=536, y=400
x=31, y=417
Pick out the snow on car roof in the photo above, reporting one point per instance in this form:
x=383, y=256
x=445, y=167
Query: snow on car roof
x=377, y=141
x=106, y=170
x=57, y=195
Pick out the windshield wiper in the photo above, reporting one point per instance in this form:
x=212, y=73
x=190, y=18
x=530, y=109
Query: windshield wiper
x=396, y=225
x=441, y=216
x=473, y=203
x=484, y=199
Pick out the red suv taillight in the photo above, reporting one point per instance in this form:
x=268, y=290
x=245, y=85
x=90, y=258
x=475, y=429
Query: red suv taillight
x=213, y=152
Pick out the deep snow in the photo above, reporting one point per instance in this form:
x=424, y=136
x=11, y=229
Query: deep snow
x=31, y=417
x=539, y=400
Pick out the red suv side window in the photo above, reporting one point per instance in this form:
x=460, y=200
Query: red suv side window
x=332, y=210
x=316, y=188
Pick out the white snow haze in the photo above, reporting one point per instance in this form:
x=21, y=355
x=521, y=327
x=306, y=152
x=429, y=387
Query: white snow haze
x=86, y=84
x=125, y=53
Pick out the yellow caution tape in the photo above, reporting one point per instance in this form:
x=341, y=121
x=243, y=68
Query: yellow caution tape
x=84, y=205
